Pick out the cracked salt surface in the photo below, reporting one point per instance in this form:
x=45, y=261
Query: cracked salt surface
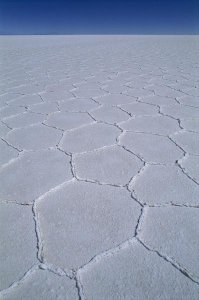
x=169, y=226
x=109, y=114
x=158, y=185
x=33, y=174
x=42, y=284
x=188, y=141
x=190, y=101
x=89, y=137
x=26, y=100
x=7, y=153
x=99, y=180
x=134, y=271
x=3, y=129
x=78, y=105
x=44, y=108
x=96, y=218
x=151, y=124
x=34, y=137
x=68, y=120
x=23, y=119
x=18, y=242
x=140, y=109
x=112, y=165
x=152, y=148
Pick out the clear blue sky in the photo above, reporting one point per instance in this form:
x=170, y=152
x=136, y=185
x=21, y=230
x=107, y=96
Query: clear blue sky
x=99, y=17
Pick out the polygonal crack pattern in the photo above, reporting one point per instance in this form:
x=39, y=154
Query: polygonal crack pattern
x=20, y=254
x=160, y=185
x=7, y=152
x=138, y=269
x=41, y=284
x=33, y=174
x=26, y=100
x=169, y=226
x=109, y=114
x=190, y=124
x=188, y=141
x=99, y=168
x=152, y=148
x=191, y=166
x=181, y=111
x=23, y=119
x=34, y=137
x=111, y=165
x=44, y=108
x=140, y=109
x=78, y=105
x=68, y=120
x=81, y=224
x=115, y=99
x=156, y=124
x=89, y=138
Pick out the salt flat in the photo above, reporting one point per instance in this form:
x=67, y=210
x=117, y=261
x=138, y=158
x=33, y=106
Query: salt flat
x=99, y=176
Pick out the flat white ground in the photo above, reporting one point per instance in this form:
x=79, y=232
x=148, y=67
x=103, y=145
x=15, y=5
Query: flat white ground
x=99, y=177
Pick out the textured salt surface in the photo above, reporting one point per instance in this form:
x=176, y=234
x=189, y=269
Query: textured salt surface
x=99, y=168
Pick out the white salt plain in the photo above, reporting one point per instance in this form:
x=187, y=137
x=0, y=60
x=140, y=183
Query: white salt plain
x=99, y=175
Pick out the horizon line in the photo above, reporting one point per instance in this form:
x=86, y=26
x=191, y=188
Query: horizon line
x=74, y=34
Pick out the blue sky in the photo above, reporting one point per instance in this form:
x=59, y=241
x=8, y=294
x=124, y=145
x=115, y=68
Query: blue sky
x=99, y=17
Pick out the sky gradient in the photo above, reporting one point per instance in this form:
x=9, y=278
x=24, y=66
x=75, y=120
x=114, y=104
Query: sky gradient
x=99, y=17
